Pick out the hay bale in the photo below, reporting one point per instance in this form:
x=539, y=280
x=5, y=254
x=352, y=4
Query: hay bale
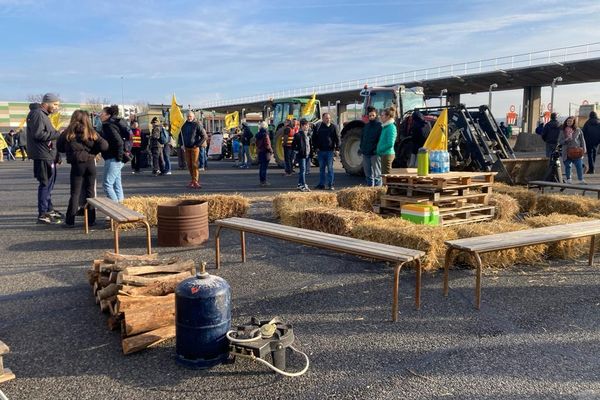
x=527, y=199
x=219, y=206
x=222, y=206
x=569, y=249
x=507, y=207
x=360, y=198
x=567, y=204
x=288, y=203
x=502, y=258
x=399, y=232
x=337, y=221
x=147, y=205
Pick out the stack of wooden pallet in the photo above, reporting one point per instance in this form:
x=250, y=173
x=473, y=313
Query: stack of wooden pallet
x=462, y=197
x=137, y=293
x=5, y=373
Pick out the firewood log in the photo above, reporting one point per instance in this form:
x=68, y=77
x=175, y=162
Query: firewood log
x=187, y=265
x=110, y=290
x=124, y=279
x=155, y=289
x=151, y=317
x=112, y=258
x=133, y=303
x=148, y=339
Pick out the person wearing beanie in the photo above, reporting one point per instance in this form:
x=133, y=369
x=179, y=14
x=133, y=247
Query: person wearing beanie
x=41, y=147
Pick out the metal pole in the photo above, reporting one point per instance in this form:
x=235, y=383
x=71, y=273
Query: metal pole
x=492, y=86
x=552, y=97
x=122, y=97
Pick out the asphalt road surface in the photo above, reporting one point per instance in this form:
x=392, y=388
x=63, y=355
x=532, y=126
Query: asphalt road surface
x=536, y=336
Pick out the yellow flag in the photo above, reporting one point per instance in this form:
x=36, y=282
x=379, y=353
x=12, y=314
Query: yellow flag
x=232, y=120
x=22, y=124
x=55, y=120
x=438, y=137
x=176, y=118
x=3, y=144
x=309, y=108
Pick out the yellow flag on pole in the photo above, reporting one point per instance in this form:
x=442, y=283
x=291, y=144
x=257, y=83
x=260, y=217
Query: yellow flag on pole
x=232, y=120
x=309, y=108
x=438, y=137
x=176, y=118
x=22, y=124
x=3, y=144
x=55, y=120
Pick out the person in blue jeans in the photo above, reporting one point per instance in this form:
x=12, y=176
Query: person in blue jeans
x=113, y=157
x=368, y=148
x=301, y=146
x=326, y=139
x=571, y=137
x=203, y=157
x=264, y=151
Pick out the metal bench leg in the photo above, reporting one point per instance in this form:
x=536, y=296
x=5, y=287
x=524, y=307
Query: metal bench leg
x=418, y=285
x=116, y=234
x=592, y=249
x=85, y=219
x=243, y=239
x=397, y=269
x=148, y=237
x=447, y=262
x=478, y=280
x=218, y=247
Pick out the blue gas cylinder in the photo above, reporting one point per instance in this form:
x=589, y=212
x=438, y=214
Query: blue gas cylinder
x=202, y=319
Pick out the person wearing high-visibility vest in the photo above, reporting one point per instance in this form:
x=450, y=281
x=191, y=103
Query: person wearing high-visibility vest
x=136, y=147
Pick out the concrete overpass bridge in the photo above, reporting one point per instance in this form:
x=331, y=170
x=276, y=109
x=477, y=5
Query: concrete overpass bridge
x=527, y=71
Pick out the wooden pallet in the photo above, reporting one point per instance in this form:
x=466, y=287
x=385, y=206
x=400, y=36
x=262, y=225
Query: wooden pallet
x=438, y=200
x=439, y=181
x=471, y=212
x=404, y=189
x=5, y=373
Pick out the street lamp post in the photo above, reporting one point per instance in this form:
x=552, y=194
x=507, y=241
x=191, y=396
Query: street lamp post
x=492, y=86
x=122, y=97
x=442, y=93
x=553, y=85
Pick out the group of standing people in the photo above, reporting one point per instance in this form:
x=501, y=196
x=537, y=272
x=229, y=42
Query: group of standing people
x=377, y=144
x=574, y=143
x=82, y=144
x=11, y=142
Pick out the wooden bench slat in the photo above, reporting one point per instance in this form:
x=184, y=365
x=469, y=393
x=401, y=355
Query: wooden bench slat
x=320, y=239
x=336, y=239
x=115, y=210
x=508, y=240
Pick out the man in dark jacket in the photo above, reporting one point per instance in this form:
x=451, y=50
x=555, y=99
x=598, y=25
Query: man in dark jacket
x=419, y=131
x=550, y=134
x=246, y=139
x=301, y=146
x=326, y=139
x=158, y=162
x=41, y=148
x=368, y=144
x=288, y=153
x=192, y=136
x=591, y=134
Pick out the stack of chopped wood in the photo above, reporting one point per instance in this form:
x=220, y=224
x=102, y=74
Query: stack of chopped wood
x=137, y=293
x=5, y=373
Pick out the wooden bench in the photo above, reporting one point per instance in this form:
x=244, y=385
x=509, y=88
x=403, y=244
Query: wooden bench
x=396, y=255
x=512, y=240
x=118, y=214
x=541, y=185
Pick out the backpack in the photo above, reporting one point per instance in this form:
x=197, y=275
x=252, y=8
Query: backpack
x=164, y=136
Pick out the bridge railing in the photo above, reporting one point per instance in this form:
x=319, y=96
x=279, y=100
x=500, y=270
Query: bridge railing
x=537, y=58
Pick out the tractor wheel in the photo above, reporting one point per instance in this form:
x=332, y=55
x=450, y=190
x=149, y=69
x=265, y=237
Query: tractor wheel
x=278, y=148
x=351, y=160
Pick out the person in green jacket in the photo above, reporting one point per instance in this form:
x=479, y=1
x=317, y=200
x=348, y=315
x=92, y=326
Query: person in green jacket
x=385, y=146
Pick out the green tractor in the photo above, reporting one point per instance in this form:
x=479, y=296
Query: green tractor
x=405, y=99
x=285, y=109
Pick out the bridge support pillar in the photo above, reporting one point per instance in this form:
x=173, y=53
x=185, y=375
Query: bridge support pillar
x=532, y=103
x=339, y=110
x=453, y=99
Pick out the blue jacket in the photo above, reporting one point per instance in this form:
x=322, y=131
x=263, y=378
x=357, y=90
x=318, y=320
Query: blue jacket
x=388, y=139
x=193, y=134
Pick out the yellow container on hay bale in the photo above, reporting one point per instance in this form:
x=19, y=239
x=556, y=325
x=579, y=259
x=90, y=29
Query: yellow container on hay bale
x=423, y=214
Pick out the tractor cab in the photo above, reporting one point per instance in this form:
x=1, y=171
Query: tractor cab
x=294, y=108
x=404, y=99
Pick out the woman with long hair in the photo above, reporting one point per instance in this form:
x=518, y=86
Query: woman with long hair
x=113, y=156
x=81, y=144
x=573, y=148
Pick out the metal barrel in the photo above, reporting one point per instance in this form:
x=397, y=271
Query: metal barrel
x=182, y=223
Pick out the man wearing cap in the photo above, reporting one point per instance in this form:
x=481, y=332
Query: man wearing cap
x=41, y=148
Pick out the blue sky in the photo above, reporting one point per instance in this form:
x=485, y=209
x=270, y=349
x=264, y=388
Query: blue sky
x=217, y=50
